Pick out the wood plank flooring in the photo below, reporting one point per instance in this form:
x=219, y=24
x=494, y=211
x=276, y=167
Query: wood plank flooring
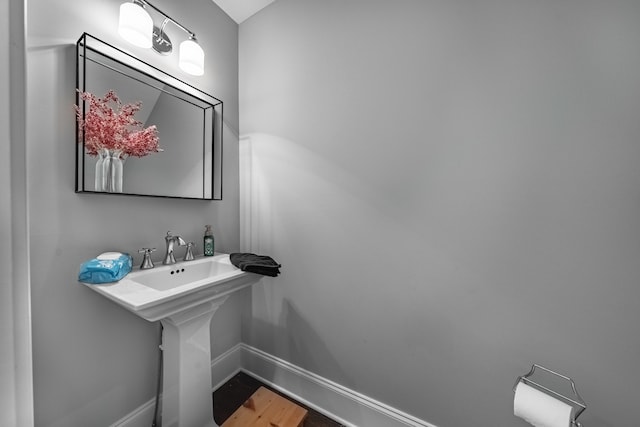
x=232, y=394
x=267, y=409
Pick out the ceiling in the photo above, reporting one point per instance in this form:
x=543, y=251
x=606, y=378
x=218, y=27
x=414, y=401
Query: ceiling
x=239, y=10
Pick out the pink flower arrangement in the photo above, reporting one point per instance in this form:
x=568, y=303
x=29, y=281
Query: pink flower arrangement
x=111, y=125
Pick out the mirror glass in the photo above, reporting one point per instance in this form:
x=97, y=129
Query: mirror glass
x=187, y=162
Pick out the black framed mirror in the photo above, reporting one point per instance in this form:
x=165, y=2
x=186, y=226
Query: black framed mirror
x=141, y=131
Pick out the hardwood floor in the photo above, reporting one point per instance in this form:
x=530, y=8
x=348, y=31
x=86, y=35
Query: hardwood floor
x=234, y=392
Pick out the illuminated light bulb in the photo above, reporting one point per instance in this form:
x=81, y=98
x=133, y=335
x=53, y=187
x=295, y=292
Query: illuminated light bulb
x=135, y=25
x=191, y=57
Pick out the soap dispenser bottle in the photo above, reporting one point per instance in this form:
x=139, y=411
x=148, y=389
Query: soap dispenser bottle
x=209, y=245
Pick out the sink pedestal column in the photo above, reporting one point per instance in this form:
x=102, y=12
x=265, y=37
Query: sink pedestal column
x=187, y=399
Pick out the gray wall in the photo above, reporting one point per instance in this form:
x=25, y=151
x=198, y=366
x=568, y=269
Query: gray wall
x=7, y=377
x=453, y=190
x=16, y=392
x=93, y=361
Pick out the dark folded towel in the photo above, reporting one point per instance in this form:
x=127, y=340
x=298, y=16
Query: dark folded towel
x=259, y=264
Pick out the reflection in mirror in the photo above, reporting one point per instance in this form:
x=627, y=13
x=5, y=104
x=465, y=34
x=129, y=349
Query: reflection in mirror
x=188, y=122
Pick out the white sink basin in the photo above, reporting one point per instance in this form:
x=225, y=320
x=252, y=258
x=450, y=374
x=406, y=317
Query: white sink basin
x=178, y=275
x=168, y=289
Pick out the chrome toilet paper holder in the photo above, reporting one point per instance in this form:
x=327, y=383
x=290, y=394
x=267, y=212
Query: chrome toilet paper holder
x=576, y=401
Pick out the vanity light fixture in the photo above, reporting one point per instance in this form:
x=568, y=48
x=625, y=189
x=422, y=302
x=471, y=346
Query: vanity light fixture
x=137, y=27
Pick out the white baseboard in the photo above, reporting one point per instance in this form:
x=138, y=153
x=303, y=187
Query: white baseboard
x=340, y=403
x=225, y=366
x=142, y=416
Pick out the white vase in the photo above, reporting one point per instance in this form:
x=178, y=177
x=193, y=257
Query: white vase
x=102, y=170
x=114, y=172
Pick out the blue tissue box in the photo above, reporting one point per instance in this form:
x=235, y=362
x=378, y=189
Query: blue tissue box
x=105, y=268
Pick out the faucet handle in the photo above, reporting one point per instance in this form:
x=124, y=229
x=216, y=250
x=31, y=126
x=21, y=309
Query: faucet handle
x=146, y=258
x=188, y=255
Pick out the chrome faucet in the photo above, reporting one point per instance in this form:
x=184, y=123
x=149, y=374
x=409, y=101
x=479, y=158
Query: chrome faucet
x=171, y=240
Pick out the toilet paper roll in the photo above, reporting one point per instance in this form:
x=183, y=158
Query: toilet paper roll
x=539, y=409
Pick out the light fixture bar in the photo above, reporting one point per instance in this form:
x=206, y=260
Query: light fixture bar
x=179, y=25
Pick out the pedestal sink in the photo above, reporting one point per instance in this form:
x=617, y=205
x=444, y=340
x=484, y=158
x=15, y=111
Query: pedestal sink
x=184, y=297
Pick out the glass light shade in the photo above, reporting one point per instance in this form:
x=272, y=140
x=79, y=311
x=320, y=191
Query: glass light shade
x=191, y=58
x=135, y=25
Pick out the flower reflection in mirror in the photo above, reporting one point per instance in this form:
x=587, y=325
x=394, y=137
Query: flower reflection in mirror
x=112, y=133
